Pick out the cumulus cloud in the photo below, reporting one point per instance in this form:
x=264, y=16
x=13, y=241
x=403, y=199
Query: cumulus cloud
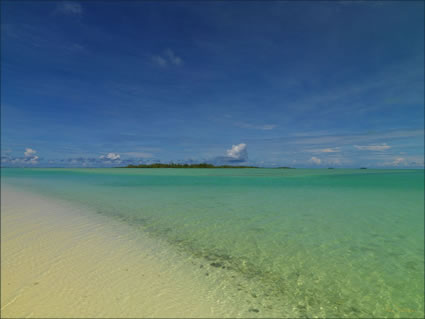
x=167, y=58
x=381, y=147
x=238, y=152
x=315, y=160
x=69, y=8
x=29, y=158
x=29, y=152
x=33, y=160
x=110, y=156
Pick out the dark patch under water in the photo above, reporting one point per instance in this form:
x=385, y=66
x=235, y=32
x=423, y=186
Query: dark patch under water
x=274, y=286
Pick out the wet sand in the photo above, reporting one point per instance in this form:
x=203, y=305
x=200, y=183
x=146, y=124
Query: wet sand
x=59, y=261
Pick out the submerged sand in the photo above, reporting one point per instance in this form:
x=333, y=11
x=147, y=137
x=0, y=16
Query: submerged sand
x=59, y=261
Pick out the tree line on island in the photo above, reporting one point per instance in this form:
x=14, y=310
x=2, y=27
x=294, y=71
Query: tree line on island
x=200, y=165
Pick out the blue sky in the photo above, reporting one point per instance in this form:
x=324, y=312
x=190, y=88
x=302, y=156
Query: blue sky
x=302, y=84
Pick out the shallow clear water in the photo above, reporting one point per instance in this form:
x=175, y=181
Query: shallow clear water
x=311, y=243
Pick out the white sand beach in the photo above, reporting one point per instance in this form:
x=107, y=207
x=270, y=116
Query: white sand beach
x=58, y=262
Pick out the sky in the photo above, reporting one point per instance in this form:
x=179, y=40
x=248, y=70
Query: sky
x=270, y=83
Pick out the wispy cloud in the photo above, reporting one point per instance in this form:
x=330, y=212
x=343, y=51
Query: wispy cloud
x=404, y=78
x=398, y=160
x=159, y=60
x=174, y=59
x=324, y=150
x=344, y=139
x=405, y=161
x=139, y=154
x=69, y=8
x=265, y=127
x=381, y=147
x=327, y=160
x=20, y=161
x=39, y=37
x=168, y=57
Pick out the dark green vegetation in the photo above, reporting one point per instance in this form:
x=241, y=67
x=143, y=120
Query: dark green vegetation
x=172, y=165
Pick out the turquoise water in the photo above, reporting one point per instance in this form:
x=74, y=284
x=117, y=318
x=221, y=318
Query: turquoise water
x=311, y=243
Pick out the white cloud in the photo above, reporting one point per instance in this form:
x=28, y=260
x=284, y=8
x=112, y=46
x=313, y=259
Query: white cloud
x=398, y=160
x=159, y=60
x=238, y=152
x=315, y=160
x=167, y=58
x=324, y=150
x=69, y=8
x=29, y=158
x=350, y=139
x=34, y=159
x=30, y=152
x=268, y=127
x=110, y=156
x=174, y=59
x=381, y=147
x=406, y=161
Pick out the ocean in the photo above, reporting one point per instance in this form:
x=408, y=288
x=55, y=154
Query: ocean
x=295, y=242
